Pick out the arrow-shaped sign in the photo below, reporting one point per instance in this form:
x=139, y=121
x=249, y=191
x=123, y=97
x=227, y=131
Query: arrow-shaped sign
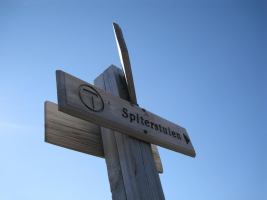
x=120, y=115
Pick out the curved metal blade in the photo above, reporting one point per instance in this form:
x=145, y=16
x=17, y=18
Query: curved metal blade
x=125, y=62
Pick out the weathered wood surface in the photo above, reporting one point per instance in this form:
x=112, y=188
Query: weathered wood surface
x=70, y=132
x=157, y=159
x=131, y=169
x=120, y=115
x=74, y=133
x=127, y=69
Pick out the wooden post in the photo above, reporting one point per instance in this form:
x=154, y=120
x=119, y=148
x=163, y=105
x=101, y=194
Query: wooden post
x=131, y=168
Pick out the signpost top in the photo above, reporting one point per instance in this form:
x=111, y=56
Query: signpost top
x=125, y=61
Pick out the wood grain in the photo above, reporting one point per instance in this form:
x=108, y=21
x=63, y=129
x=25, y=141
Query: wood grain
x=70, y=132
x=131, y=169
x=73, y=133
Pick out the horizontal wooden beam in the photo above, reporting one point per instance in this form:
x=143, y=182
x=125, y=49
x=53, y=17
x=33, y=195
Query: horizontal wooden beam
x=70, y=132
x=73, y=133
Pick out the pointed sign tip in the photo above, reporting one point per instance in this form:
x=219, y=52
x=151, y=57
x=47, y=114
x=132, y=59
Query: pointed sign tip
x=115, y=24
x=187, y=140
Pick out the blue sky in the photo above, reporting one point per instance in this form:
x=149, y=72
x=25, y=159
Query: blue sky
x=201, y=64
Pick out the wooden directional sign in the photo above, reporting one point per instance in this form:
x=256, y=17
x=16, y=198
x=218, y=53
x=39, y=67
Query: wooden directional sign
x=74, y=133
x=83, y=100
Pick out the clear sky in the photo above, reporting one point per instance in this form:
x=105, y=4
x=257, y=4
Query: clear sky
x=201, y=64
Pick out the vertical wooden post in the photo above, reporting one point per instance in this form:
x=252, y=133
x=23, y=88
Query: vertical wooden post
x=131, y=168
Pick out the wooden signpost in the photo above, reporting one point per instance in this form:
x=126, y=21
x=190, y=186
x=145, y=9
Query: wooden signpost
x=105, y=120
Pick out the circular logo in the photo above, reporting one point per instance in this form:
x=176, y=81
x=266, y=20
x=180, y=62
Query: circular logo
x=91, y=98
